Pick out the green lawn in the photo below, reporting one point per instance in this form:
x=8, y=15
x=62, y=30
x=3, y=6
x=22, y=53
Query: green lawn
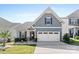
x=1, y=44
x=19, y=49
x=75, y=42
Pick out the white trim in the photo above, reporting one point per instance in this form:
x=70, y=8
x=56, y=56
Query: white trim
x=49, y=31
x=47, y=27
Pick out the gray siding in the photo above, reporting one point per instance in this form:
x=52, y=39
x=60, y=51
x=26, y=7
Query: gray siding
x=41, y=22
x=48, y=29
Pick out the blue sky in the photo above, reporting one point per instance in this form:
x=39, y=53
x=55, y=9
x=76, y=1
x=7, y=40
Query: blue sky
x=29, y=12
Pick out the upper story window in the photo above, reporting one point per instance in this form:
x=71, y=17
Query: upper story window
x=48, y=20
x=74, y=21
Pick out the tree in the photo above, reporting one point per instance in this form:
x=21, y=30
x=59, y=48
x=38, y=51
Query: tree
x=5, y=35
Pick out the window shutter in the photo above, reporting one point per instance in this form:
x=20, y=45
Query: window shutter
x=51, y=20
x=69, y=21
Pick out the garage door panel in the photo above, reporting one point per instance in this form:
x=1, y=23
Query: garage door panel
x=50, y=36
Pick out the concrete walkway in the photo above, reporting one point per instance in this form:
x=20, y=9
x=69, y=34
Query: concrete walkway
x=55, y=48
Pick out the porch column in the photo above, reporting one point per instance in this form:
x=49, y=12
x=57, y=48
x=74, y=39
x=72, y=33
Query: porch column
x=35, y=35
x=28, y=35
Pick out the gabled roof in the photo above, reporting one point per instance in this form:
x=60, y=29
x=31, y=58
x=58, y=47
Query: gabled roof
x=48, y=11
x=27, y=24
x=4, y=24
x=14, y=24
x=74, y=14
x=23, y=27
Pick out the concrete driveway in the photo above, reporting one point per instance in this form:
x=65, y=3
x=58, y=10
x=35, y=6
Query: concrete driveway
x=55, y=48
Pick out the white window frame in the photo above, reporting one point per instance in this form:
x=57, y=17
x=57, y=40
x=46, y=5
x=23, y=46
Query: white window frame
x=48, y=18
x=73, y=21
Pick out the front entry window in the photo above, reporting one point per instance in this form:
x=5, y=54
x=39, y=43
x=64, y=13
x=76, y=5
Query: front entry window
x=31, y=35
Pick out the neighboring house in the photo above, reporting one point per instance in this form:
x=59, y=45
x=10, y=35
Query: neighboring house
x=72, y=24
x=7, y=26
x=47, y=27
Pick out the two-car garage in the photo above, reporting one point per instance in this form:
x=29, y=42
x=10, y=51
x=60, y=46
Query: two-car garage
x=48, y=36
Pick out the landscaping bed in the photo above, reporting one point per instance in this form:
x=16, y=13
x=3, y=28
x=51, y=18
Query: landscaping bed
x=71, y=41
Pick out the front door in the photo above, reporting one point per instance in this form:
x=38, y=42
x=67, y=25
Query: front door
x=31, y=35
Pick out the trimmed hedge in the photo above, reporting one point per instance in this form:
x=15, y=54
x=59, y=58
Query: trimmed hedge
x=66, y=38
x=17, y=40
x=23, y=39
x=20, y=39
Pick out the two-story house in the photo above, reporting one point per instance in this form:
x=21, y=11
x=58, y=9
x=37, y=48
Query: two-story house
x=71, y=24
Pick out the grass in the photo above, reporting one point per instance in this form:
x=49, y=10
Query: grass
x=1, y=44
x=19, y=49
x=75, y=42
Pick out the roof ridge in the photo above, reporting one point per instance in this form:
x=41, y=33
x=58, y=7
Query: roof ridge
x=73, y=12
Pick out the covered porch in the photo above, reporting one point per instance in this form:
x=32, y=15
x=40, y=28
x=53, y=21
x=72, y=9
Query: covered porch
x=31, y=34
x=28, y=35
x=74, y=32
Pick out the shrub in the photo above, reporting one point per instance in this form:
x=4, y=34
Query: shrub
x=20, y=39
x=23, y=39
x=66, y=38
x=77, y=37
x=17, y=40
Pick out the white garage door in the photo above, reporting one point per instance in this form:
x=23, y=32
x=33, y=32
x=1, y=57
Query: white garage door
x=48, y=36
